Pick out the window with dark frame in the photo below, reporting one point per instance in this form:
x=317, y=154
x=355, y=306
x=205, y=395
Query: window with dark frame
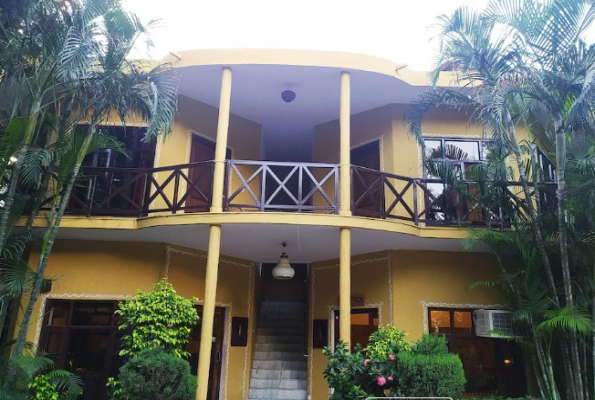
x=445, y=204
x=492, y=366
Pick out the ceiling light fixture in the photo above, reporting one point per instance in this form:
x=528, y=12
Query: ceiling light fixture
x=288, y=95
x=283, y=269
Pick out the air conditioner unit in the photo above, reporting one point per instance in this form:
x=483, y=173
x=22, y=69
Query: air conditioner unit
x=492, y=323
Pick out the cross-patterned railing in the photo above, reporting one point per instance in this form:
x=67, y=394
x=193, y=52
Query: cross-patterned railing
x=265, y=186
x=282, y=186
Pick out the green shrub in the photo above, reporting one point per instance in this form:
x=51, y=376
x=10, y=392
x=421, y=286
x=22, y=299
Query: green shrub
x=431, y=345
x=386, y=341
x=345, y=372
x=430, y=375
x=156, y=375
x=159, y=318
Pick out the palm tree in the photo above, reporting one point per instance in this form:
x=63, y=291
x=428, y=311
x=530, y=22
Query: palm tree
x=524, y=63
x=101, y=82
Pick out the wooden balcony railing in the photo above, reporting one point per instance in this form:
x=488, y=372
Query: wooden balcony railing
x=286, y=187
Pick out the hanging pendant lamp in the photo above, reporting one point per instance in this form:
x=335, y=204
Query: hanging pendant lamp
x=283, y=269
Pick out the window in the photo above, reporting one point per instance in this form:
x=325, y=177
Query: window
x=442, y=202
x=82, y=337
x=492, y=366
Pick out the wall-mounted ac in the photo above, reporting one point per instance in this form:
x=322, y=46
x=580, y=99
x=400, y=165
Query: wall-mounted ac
x=492, y=323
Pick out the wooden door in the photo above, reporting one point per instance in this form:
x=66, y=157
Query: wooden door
x=364, y=322
x=216, y=350
x=366, y=188
x=200, y=176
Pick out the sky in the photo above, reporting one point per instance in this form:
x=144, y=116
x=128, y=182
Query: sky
x=399, y=30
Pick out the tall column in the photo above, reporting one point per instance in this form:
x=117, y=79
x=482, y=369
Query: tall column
x=345, y=286
x=221, y=143
x=208, y=314
x=345, y=146
x=345, y=210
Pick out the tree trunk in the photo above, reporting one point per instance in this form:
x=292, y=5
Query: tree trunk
x=18, y=166
x=48, y=243
x=539, y=238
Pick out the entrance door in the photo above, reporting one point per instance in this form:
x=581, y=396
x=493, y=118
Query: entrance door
x=364, y=322
x=200, y=176
x=193, y=348
x=366, y=187
x=81, y=337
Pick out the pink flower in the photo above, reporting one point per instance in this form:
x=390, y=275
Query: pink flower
x=390, y=378
x=391, y=357
x=381, y=380
x=366, y=361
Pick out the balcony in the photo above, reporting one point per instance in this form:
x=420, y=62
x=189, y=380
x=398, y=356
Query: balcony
x=262, y=186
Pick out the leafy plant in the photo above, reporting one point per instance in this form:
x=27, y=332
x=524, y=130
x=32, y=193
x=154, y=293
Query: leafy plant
x=160, y=318
x=431, y=345
x=156, y=375
x=42, y=388
x=423, y=375
x=344, y=372
x=386, y=341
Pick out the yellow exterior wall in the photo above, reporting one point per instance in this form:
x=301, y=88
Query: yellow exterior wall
x=114, y=270
x=195, y=117
x=401, y=284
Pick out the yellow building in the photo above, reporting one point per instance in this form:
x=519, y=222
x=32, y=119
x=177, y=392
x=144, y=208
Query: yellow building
x=269, y=147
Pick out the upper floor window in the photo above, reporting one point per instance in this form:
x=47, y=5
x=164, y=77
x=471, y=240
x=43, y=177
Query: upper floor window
x=461, y=153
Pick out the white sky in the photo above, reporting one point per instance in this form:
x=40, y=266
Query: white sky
x=400, y=30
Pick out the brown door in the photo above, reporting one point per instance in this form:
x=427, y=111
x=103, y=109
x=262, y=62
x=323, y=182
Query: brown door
x=366, y=189
x=364, y=322
x=200, y=176
x=82, y=337
x=216, y=350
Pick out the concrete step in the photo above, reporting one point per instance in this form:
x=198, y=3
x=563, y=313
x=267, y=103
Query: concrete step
x=279, y=364
x=276, y=346
x=279, y=339
x=279, y=374
x=288, y=394
x=280, y=331
x=277, y=383
x=278, y=356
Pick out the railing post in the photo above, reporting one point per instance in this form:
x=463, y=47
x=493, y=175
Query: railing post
x=415, y=205
x=263, y=187
x=176, y=189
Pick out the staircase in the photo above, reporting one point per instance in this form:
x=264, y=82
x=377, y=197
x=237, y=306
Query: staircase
x=279, y=365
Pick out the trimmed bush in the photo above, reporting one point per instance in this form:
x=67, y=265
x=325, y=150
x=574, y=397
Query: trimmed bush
x=423, y=375
x=431, y=345
x=386, y=341
x=156, y=375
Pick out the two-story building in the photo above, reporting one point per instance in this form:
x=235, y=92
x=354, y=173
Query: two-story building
x=270, y=147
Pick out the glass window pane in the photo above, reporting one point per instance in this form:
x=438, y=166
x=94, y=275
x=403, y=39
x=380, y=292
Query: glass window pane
x=58, y=315
x=461, y=150
x=463, y=322
x=433, y=149
x=92, y=314
x=440, y=322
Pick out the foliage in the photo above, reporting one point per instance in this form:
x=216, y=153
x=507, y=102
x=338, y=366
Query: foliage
x=431, y=345
x=378, y=371
x=423, y=375
x=386, y=341
x=157, y=375
x=344, y=372
x=35, y=378
x=160, y=318
x=527, y=68
x=42, y=388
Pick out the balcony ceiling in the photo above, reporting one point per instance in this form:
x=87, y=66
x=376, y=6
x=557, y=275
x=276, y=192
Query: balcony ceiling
x=256, y=92
x=262, y=243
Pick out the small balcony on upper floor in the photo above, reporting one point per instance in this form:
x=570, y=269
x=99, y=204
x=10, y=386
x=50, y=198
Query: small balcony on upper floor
x=288, y=187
